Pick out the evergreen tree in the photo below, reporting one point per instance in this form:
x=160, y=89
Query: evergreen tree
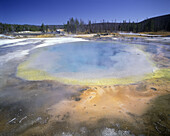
x=42, y=28
x=76, y=23
x=90, y=26
x=9, y=28
x=54, y=28
x=68, y=26
x=82, y=24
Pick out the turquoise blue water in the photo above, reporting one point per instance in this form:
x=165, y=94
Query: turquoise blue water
x=92, y=60
x=85, y=56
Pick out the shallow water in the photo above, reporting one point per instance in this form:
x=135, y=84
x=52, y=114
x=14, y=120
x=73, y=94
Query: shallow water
x=88, y=60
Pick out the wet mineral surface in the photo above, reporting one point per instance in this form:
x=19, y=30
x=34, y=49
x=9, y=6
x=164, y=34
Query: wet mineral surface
x=53, y=108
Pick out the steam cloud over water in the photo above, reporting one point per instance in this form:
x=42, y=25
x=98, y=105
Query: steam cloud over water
x=91, y=60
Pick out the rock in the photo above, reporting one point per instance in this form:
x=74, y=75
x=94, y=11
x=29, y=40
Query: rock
x=153, y=88
x=77, y=99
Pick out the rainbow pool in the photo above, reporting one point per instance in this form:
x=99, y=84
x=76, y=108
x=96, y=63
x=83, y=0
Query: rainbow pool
x=87, y=62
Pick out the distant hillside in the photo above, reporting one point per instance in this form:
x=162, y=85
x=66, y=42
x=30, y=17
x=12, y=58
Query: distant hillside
x=160, y=23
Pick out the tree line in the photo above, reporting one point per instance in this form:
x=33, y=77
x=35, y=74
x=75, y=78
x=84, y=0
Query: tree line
x=161, y=23
x=74, y=26
x=9, y=28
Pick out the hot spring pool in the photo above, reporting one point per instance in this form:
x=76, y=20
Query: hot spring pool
x=87, y=62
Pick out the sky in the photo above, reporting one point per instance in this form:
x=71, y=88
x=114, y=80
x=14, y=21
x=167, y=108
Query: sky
x=57, y=12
